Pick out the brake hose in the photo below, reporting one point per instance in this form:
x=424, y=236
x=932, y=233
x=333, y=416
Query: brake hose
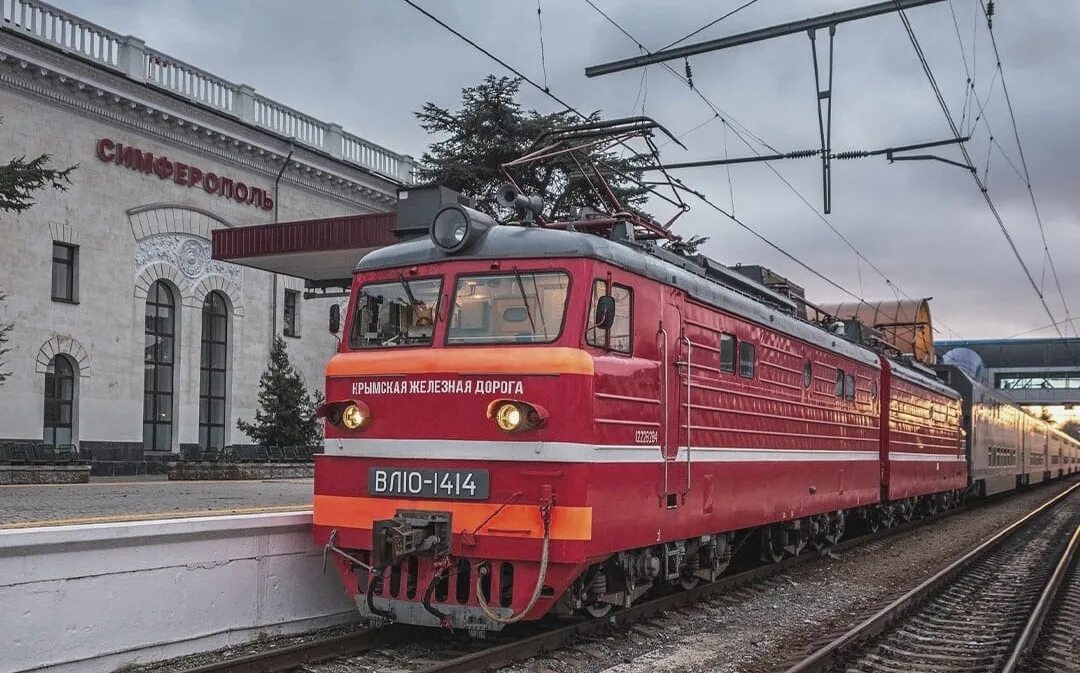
x=485, y=570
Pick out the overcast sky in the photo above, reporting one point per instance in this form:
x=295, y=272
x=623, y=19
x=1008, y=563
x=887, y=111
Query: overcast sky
x=369, y=64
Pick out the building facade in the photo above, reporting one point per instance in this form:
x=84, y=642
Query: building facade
x=129, y=341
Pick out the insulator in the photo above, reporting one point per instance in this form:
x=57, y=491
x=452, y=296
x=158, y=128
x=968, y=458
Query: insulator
x=800, y=154
x=851, y=154
x=689, y=73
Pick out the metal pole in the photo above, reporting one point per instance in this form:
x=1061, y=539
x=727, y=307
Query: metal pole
x=823, y=21
x=273, y=298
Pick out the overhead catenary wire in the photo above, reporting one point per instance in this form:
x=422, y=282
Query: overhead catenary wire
x=979, y=182
x=681, y=184
x=708, y=25
x=725, y=118
x=543, y=56
x=1023, y=163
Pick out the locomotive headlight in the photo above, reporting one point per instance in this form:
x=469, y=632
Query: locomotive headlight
x=516, y=415
x=508, y=417
x=456, y=227
x=353, y=417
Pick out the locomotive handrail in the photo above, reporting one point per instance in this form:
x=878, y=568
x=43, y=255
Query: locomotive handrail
x=688, y=370
x=666, y=402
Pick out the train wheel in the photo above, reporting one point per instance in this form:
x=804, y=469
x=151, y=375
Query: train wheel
x=887, y=516
x=797, y=535
x=836, y=528
x=598, y=610
x=773, y=539
x=905, y=511
x=930, y=506
x=688, y=582
x=819, y=525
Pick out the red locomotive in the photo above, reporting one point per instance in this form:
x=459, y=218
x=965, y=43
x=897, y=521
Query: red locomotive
x=552, y=417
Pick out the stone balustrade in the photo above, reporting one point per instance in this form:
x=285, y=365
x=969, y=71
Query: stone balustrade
x=131, y=57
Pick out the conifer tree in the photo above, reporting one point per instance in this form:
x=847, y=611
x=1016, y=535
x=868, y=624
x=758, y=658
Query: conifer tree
x=19, y=179
x=286, y=413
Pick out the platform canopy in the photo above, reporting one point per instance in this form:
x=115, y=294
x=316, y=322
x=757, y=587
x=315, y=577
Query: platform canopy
x=324, y=252
x=905, y=324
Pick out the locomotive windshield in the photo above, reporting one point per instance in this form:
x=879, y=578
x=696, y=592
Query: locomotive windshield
x=517, y=307
x=398, y=313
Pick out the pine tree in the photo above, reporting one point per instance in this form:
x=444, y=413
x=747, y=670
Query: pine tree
x=490, y=129
x=19, y=179
x=286, y=413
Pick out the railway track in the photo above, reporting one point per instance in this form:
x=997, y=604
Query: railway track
x=980, y=614
x=1052, y=639
x=427, y=651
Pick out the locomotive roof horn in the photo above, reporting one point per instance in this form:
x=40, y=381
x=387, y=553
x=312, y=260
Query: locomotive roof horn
x=528, y=207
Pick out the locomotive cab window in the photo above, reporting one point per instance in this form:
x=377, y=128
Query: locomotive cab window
x=396, y=313
x=727, y=353
x=617, y=337
x=516, y=307
x=746, y=359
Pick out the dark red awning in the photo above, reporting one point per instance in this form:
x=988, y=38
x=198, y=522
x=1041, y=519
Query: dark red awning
x=322, y=251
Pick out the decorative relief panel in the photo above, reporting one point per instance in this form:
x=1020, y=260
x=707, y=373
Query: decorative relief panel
x=190, y=254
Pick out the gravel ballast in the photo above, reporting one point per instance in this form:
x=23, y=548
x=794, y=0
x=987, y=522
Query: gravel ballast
x=759, y=628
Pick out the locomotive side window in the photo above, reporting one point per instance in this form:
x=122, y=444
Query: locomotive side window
x=516, y=307
x=727, y=353
x=807, y=374
x=849, y=386
x=399, y=313
x=839, y=382
x=746, y=359
x=618, y=337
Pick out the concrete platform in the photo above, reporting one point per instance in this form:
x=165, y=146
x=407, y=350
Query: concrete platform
x=105, y=597
x=145, y=498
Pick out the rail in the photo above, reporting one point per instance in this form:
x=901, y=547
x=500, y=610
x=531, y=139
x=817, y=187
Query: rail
x=825, y=657
x=129, y=56
x=1032, y=629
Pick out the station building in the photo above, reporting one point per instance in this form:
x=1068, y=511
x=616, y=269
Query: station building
x=130, y=341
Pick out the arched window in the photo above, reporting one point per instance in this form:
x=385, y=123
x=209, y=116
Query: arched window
x=158, y=364
x=215, y=343
x=59, y=401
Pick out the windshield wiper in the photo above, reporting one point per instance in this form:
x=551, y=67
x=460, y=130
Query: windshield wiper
x=539, y=306
x=524, y=299
x=408, y=291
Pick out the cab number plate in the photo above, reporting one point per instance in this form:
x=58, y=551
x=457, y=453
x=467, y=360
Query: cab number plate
x=428, y=483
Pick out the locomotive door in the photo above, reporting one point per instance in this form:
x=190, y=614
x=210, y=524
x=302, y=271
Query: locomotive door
x=674, y=385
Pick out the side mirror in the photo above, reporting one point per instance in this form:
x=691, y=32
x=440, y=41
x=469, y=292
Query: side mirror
x=605, y=312
x=335, y=318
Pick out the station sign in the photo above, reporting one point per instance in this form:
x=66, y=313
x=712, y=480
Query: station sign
x=133, y=158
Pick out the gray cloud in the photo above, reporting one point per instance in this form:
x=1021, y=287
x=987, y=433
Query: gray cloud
x=369, y=65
